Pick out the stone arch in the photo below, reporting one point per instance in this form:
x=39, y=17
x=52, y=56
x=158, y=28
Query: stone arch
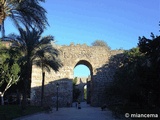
x=94, y=57
x=86, y=63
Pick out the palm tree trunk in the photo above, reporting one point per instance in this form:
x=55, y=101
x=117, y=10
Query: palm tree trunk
x=2, y=30
x=24, y=101
x=42, y=93
x=27, y=83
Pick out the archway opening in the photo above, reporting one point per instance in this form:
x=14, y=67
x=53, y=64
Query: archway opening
x=82, y=78
x=81, y=71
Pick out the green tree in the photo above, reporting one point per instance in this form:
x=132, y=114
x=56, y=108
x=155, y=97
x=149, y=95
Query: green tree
x=75, y=81
x=37, y=50
x=126, y=87
x=23, y=12
x=151, y=49
x=9, y=70
x=136, y=82
x=46, y=57
x=101, y=43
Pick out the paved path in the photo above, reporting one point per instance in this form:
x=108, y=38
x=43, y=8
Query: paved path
x=86, y=113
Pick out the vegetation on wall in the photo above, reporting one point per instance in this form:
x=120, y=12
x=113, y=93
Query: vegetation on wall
x=101, y=43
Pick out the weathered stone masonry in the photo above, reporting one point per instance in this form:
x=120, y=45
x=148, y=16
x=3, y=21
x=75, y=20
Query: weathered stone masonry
x=94, y=57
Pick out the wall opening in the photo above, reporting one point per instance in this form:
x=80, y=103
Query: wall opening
x=82, y=77
x=81, y=71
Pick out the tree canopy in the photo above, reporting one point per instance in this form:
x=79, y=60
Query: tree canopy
x=9, y=69
x=101, y=43
x=136, y=82
x=36, y=50
x=23, y=13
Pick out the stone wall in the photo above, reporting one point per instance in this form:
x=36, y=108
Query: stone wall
x=81, y=82
x=94, y=57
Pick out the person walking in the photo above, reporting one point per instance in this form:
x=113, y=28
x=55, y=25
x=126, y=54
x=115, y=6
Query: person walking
x=79, y=105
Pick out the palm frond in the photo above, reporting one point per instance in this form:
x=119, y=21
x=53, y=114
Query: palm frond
x=24, y=13
x=33, y=14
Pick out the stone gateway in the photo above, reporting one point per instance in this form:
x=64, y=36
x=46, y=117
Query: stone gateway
x=94, y=57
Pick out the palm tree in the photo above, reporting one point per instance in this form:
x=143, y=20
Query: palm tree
x=46, y=58
x=22, y=13
x=36, y=50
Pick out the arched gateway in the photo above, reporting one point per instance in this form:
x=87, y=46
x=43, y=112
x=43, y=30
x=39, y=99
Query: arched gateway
x=94, y=57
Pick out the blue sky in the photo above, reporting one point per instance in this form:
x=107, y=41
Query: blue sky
x=81, y=71
x=117, y=22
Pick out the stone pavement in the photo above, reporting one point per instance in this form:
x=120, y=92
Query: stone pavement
x=72, y=113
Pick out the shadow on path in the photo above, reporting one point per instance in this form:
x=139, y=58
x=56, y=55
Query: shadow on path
x=85, y=113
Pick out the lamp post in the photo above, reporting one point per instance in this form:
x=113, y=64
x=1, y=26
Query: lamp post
x=57, y=85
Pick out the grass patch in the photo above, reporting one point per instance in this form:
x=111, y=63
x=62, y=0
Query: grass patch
x=9, y=112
